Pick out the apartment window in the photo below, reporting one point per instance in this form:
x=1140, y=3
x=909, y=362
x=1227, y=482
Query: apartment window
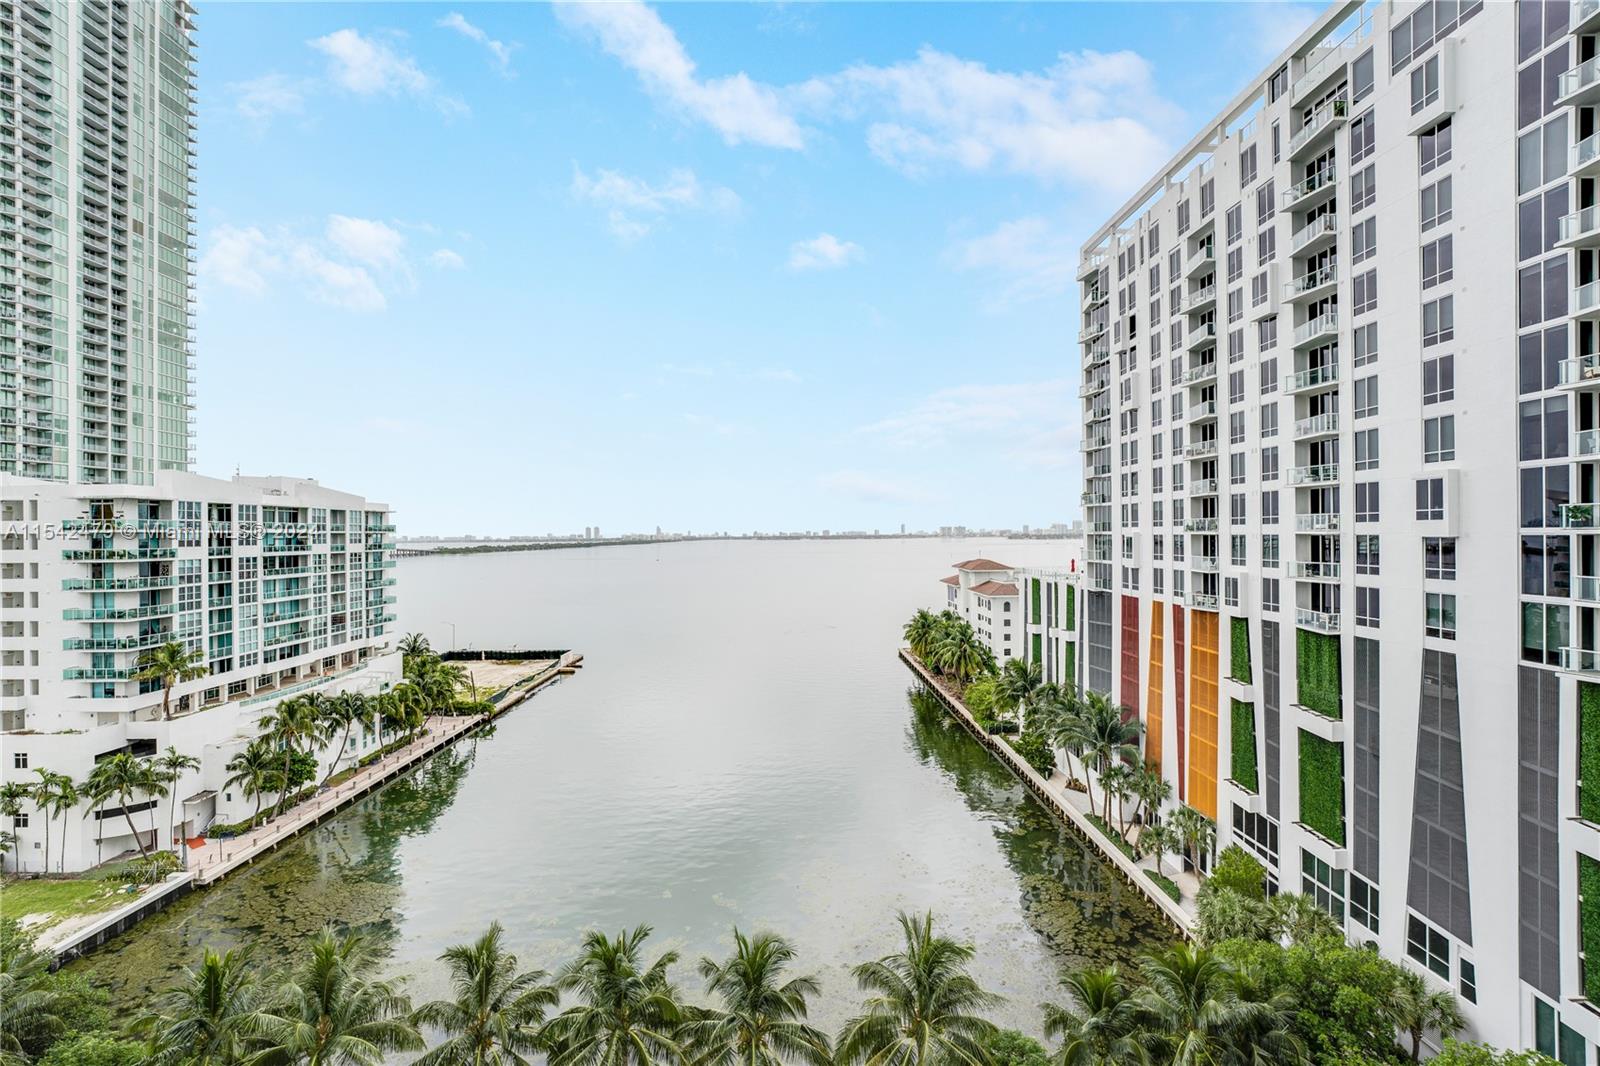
x=1367, y=449
x=1363, y=188
x=1363, y=137
x=1361, y=77
x=1438, y=321
x=1235, y=345
x=1236, y=509
x=1441, y=615
x=1436, y=206
x=1364, y=903
x=1175, y=264
x=1366, y=396
x=1266, y=202
x=1266, y=247
x=1322, y=883
x=1266, y=340
x=1542, y=155
x=1269, y=508
x=1183, y=218
x=1439, y=439
x=1230, y=591
x=1269, y=551
x=20, y=820
x=1430, y=499
x=1236, y=429
x=1247, y=166
x=1236, y=468
x=1368, y=560
x=1158, y=547
x=1235, y=305
x=19, y=760
x=1158, y=582
x=1234, y=218
x=1238, y=550
x=1277, y=142
x=1438, y=261
x=1367, y=607
x=1208, y=197
x=1439, y=379
x=1425, y=84
x=1439, y=558
x=1469, y=981
x=1236, y=387
x=1235, y=264
x=1428, y=946
x=1364, y=292
x=1269, y=420
x=1367, y=501
x=1258, y=290
x=1433, y=147
x=1269, y=464
x=1269, y=594
x=1363, y=240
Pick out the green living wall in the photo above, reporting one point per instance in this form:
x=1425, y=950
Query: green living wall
x=1589, y=756
x=1322, y=786
x=1589, y=924
x=1072, y=608
x=1038, y=605
x=1241, y=650
x=1243, y=745
x=1038, y=650
x=1069, y=669
x=1317, y=672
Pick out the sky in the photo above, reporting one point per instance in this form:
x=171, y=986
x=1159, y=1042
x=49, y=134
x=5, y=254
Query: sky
x=517, y=269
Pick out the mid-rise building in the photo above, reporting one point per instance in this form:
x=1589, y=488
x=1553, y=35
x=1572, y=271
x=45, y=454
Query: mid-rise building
x=1025, y=613
x=97, y=141
x=1341, y=393
x=984, y=593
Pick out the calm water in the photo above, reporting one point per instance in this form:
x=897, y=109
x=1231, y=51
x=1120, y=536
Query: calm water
x=740, y=748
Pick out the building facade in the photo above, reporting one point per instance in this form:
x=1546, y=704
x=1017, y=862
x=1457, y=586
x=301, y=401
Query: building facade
x=1025, y=613
x=984, y=594
x=97, y=261
x=1364, y=469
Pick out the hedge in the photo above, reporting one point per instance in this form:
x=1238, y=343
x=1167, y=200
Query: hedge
x=1317, y=672
x=1589, y=924
x=1038, y=752
x=1589, y=756
x=1241, y=650
x=1243, y=745
x=1322, y=786
x=1166, y=884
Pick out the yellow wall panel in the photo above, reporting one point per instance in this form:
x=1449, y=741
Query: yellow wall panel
x=1204, y=672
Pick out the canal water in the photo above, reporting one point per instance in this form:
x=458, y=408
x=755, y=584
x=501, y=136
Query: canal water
x=741, y=748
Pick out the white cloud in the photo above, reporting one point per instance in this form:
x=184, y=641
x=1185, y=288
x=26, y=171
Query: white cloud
x=370, y=67
x=1033, y=419
x=1033, y=256
x=446, y=259
x=1270, y=28
x=269, y=95
x=634, y=206
x=367, y=241
x=823, y=252
x=353, y=263
x=739, y=108
x=338, y=284
x=499, y=51
x=240, y=258
x=859, y=485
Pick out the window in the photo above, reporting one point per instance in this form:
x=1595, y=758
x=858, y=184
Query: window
x=1266, y=340
x=1323, y=884
x=1269, y=551
x=1367, y=547
x=1438, y=321
x=1439, y=558
x=19, y=760
x=1430, y=499
x=1361, y=76
x=1247, y=166
x=1235, y=304
x=1269, y=464
x=1269, y=420
x=1362, y=137
x=1428, y=946
x=1425, y=84
x=1235, y=264
x=1441, y=615
x=1266, y=202
x=1269, y=594
x=1363, y=188
x=1438, y=261
x=1269, y=508
x=1258, y=290
x=1367, y=501
x=1433, y=147
x=1236, y=387
x=1230, y=591
x=1436, y=204
x=1366, y=343
x=1366, y=449
x=1266, y=247
x=1235, y=222
x=1364, y=903
x=19, y=820
x=1363, y=240
x=1236, y=468
x=1236, y=429
x=1366, y=397
x=1367, y=607
x=1469, y=981
x=1439, y=379
x=1364, y=292
x=1238, y=550
x=1439, y=439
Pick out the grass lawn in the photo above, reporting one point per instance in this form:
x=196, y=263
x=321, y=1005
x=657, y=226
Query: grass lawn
x=59, y=899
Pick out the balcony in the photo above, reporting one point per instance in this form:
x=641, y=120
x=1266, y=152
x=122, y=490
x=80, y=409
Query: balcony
x=1096, y=384
x=1203, y=486
x=1580, y=85
x=1203, y=334
x=1580, y=660
x=1199, y=374
x=1095, y=297
x=1096, y=355
x=1203, y=564
x=1317, y=426
x=1316, y=283
x=1203, y=601
x=1320, y=474
x=1581, y=229
x=1095, y=441
x=1585, y=16
x=1582, y=371
x=1316, y=523
x=1317, y=571
x=1584, y=161
x=96, y=555
x=1315, y=235
x=1200, y=525
x=1324, y=120
x=117, y=614
x=1200, y=449
x=1586, y=588
x=1096, y=499
x=1586, y=443
x=1090, y=262
x=1204, y=411
x=1203, y=258
x=1200, y=300
x=1321, y=621
x=1317, y=186
x=1321, y=328
x=1577, y=516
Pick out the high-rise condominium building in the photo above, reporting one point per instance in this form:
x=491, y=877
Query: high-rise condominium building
x=1341, y=392
x=96, y=239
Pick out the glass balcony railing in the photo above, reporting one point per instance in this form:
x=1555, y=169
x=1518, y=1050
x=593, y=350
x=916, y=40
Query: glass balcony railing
x=1317, y=571
x=1322, y=621
x=1317, y=425
x=1315, y=377
x=1321, y=226
x=1577, y=515
x=1580, y=224
x=1203, y=486
x=1319, y=474
x=1316, y=327
x=1317, y=523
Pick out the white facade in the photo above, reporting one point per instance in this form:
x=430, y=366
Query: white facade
x=1340, y=389
x=984, y=593
x=286, y=586
x=1026, y=613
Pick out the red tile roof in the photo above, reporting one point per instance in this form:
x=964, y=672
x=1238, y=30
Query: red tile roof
x=982, y=564
x=953, y=579
x=995, y=588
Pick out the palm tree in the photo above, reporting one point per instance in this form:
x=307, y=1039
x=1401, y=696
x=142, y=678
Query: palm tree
x=54, y=794
x=414, y=646
x=923, y=1010
x=1062, y=721
x=404, y=708
x=961, y=655
x=1190, y=1011
x=1268, y=1016
x=169, y=664
x=1117, y=782
x=1158, y=840
x=1151, y=790
x=1108, y=735
x=627, y=1013
x=920, y=633
x=762, y=1020
x=1195, y=833
x=208, y=1016
x=294, y=722
x=1017, y=684
x=495, y=1015
x=1414, y=1008
x=255, y=771
x=342, y=714
x=30, y=1005
x=1101, y=1030
x=122, y=776
x=331, y=1011
x=171, y=766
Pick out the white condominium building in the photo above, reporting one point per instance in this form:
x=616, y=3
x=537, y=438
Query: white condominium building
x=1021, y=613
x=97, y=106
x=984, y=593
x=1341, y=392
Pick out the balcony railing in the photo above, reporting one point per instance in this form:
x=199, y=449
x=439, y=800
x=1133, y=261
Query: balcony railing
x=1583, y=11
x=1323, y=324
x=1317, y=180
x=1585, y=153
x=1311, y=282
x=1586, y=587
x=1205, y=601
x=1317, y=523
x=1579, y=225
x=1321, y=226
x=1205, y=371
x=1203, y=564
x=1580, y=660
x=1200, y=449
x=1579, y=370
x=1322, y=621
x=1318, y=425
x=1320, y=121
x=1578, y=516
x=1585, y=76
x=1320, y=474
x=1203, y=486
x=1200, y=525
x=1587, y=442
x=1317, y=571
x=1205, y=409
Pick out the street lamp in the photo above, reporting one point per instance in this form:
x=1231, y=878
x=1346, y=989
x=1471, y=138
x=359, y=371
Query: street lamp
x=452, y=626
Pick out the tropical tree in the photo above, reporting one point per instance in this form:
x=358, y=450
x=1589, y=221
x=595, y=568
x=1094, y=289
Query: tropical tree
x=1417, y=1009
x=1062, y=721
x=1190, y=1011
x=1116, y=781
x=1099, y=1030
x=342, y=714
x=255, y=771
x=171, y=766
x=627, y=1013
x=495, y=1012
x=1017, y=683
x=762, y=1017
x=170, y=664
x=414, y=646
x=332, y=1011
x=1268, y=1017
x=1196, y=833
x=54, y=794
x=1108, y=735
x=122, y=777
x=293, y=723
x=207, y=1017
x=1158, y=840
x=961, y=655
x=1151, y=790
x=30, y=1008
x=921, y=632
x=923, y=1008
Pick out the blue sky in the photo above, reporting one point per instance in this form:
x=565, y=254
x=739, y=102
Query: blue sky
x=518, y=268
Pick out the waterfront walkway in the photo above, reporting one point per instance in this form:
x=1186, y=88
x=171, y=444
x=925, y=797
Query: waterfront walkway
x=1073, y=806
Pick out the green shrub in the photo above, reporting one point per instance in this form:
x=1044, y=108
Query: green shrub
x=302, y=768
x=1238, y=871
x=148, y=869
x=1242, y=745
x=1322, y=786
x=1456, y=1053
x=1317, y=668
x=1589, y=924
x=1037, y=751
x=1240, y=670
x=1007, y=1047
x=94, y=1049
x=1589, y=752
x=1166, y=884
